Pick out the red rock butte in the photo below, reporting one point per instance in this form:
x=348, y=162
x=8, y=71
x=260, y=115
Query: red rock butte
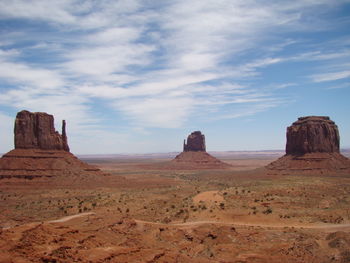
x=312, y=148
x=37, y=131
x=312, y=134
x=40, y=151
x=194, y=155
x=195, y=142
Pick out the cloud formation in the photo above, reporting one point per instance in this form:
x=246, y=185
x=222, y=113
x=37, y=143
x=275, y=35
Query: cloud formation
x=154, y=63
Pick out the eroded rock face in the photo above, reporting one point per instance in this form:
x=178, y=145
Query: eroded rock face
x=312, y=134
x=312, y=148
x=41, y=152
x=195, y=142
x=37, y=131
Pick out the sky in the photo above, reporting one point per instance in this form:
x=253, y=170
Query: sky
x=138, y=76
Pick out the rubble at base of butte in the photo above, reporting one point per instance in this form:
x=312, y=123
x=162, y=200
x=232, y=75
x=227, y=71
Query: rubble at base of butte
x=194, y=155
x=40, y=151
x=312, y=148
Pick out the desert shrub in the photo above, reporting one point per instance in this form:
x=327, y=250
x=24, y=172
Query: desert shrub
x=345, y=256
x=267, y=211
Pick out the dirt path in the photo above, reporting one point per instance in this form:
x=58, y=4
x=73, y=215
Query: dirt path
x=60, y=220
x=67, y=218
x=330, y=227
x=198, y=223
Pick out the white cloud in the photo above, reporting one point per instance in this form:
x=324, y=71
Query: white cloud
x=339, y=86
x=6, y=138
x=65, y=105
x=330, y=76
x=165, y=112
x=54, y=11
x=19, y=73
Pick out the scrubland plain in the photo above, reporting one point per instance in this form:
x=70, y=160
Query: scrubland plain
x=140, y=211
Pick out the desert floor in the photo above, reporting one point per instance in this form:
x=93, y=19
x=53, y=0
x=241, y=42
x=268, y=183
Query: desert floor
x=142, y=212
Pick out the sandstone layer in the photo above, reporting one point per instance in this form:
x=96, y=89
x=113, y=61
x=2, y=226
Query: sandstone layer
x=312, y=148
x=35, y=163
x=40, y=151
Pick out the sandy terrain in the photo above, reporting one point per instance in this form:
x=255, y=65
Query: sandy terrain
x=141, y=213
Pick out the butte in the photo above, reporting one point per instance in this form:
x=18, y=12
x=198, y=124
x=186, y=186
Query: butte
x=312, y=149
x=40, y=151
x=194, y=155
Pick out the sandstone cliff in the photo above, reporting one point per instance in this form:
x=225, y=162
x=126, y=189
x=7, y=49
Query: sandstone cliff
x=195, y=142
x=40, y=151
x=37, y=131
x=194, y=155
x=312, y=148
x=312, y=134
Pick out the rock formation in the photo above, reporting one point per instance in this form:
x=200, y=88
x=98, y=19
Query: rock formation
x=40, y=151
x=312, y=134
x=194, y=155
x=312, y=148
x=195, y=142
x=36, y=131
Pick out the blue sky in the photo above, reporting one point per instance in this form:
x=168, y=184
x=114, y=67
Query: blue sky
x=138, y=76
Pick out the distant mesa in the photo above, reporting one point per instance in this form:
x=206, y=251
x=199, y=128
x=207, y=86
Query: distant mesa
x=40, y=151
x=312, y=148
x=194, y=155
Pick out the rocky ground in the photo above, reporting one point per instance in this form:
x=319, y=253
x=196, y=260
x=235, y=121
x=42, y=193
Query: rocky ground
x=140, y=213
